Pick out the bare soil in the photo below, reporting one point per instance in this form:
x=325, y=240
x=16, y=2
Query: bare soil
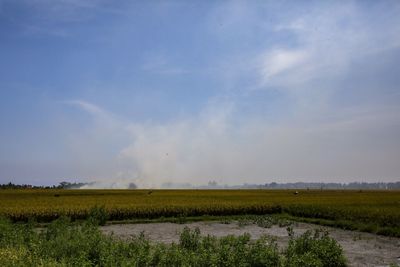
x=361, y=249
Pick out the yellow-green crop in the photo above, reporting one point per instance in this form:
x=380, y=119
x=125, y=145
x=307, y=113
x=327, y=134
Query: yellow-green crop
x=372, y=208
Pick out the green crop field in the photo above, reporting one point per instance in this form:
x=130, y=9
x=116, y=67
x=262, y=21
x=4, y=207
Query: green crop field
x=372, y=211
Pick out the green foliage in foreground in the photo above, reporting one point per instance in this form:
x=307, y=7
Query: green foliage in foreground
x=67, y=244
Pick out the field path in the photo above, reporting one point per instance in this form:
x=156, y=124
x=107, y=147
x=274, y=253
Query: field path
x=361, y=249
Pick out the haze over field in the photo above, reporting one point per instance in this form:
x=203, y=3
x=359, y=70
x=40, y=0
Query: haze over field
x=192, y=91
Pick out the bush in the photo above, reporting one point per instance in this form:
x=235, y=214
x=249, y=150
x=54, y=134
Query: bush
x=316, y=249
x=190, y=240
x=98, y=215
x=64, y=243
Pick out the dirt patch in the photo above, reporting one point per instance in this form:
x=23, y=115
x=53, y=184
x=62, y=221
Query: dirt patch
x=361, y=249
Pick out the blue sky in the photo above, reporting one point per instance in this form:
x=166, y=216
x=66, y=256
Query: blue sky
x=192, y=91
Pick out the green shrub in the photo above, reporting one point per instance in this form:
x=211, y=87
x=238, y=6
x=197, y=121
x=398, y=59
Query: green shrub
x=98, y=215
x=190, y=240
x=317, y=249
x=65, y=243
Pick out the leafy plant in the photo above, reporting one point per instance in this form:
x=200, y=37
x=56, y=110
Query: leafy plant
x=65, y=243
x=98, y=215
x=314, y=249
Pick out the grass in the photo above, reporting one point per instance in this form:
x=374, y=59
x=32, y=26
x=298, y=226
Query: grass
x=370, y=211
x=64, y=243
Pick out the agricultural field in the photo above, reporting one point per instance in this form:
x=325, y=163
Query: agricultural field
x=370, y=211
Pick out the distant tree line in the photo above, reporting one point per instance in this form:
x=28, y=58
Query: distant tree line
x=352, y=185
x=62, y=185
x=297, y=185
x=215, y=185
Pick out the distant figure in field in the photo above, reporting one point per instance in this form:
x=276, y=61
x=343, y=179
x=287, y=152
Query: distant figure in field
x=296, y=193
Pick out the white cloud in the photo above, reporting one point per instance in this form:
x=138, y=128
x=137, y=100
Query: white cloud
x=279, y=61
x=328, y=40
x=89, y=107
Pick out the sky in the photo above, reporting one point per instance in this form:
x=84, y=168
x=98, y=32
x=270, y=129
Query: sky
x=194, y=91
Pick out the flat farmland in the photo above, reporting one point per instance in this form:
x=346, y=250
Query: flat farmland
x=370, y=211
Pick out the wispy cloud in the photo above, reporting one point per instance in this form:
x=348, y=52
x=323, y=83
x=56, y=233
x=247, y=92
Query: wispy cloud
x=279, y=61
x=328, y=40
x=59, y=17
x=87, y=106
x=65, y=10
x=160, y=64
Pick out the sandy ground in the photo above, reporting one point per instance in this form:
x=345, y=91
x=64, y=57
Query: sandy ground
x=361, y=249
